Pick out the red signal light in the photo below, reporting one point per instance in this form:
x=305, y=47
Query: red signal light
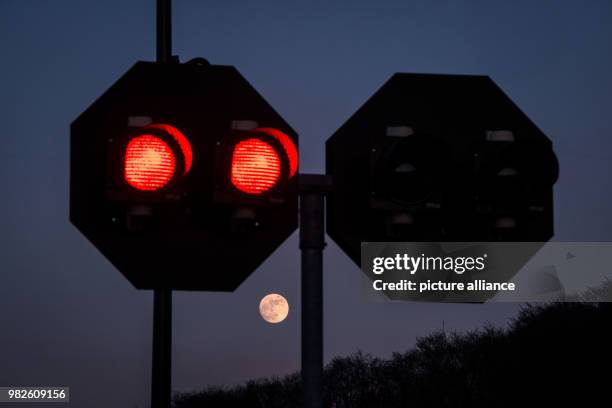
x=182, y=141
x=155, y=156
x=256, y=166
x=149, y=163
x=288, y=146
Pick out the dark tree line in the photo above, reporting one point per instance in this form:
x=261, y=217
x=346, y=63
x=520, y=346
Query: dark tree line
x=558, y=354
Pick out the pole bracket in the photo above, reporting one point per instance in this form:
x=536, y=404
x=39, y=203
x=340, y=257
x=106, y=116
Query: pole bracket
x=314, y=183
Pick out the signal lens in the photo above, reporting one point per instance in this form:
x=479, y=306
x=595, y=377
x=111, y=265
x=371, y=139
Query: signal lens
x=182, y=141
x=256, y=166
x=149, y=163
x=288, y=146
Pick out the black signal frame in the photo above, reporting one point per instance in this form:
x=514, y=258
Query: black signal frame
x=381, y=166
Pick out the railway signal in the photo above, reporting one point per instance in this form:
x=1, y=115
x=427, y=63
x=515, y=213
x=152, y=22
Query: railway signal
x=439, y=158
x=183, y=176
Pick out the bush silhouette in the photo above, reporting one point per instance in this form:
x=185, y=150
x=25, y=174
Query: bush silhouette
x=550, y=355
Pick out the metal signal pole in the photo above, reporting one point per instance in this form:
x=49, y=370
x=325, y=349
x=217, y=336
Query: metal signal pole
x=161, y=380
x=164, y=31
x=313, y=188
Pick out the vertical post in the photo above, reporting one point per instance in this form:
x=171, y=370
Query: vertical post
x=312, y=242
x=161, y=381
x=161, y=378
x=164, y=31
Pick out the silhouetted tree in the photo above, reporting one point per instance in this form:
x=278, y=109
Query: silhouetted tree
x=554, y=354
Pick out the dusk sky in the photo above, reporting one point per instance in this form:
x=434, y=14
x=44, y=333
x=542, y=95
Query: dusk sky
x=68, y=318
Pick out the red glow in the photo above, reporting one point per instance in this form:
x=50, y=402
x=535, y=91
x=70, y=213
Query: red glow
x=288, y=145
x=149, y=163
x=256, y=166
x=181, y=140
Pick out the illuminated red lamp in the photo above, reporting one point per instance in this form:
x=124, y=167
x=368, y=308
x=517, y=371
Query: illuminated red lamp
x=288, y=146
x=182, y=141
x=256, y=166
x=150, y=162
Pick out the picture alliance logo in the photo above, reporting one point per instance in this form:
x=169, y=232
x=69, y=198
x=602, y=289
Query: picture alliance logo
x=413, y=264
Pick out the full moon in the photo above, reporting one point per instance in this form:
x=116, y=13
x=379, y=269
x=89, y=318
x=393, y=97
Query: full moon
x=273, y=308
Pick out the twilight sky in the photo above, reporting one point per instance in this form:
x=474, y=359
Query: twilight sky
x=68, y=318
